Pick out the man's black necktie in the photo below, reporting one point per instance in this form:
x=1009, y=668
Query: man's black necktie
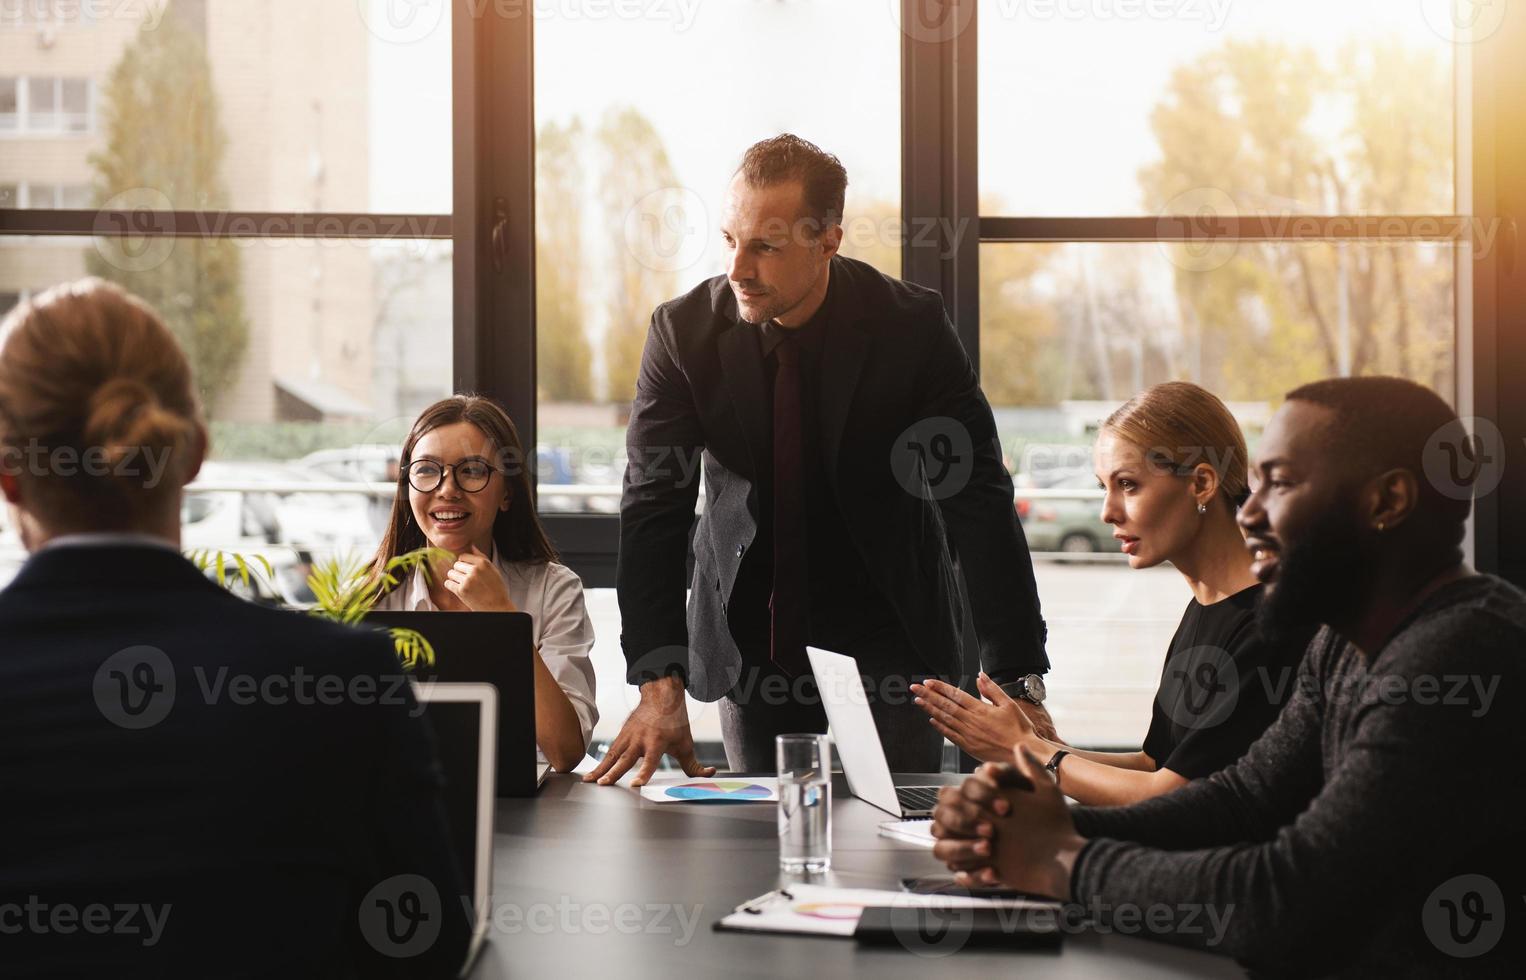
x=790, y=605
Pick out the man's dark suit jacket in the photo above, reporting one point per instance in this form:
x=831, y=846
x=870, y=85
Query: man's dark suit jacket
x=895, y=362
x=262, y=826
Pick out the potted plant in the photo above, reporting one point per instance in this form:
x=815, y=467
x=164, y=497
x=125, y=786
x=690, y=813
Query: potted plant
x=344, y=589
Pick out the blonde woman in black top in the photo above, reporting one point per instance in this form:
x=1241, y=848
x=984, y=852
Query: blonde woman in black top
x=1172, y=463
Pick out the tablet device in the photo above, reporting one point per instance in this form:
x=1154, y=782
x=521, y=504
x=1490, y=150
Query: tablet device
x=914, y=928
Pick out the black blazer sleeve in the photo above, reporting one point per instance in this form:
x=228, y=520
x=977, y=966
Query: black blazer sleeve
x=656, y=511
x=983, y=530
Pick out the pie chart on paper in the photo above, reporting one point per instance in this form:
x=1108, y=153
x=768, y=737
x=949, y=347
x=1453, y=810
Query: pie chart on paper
x=720, y=791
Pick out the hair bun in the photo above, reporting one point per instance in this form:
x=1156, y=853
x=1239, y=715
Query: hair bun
x=125, y=413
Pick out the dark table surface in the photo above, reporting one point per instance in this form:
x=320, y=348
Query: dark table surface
x=594, y=881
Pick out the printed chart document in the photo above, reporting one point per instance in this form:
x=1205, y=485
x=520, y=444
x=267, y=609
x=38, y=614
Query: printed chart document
x=820, y=910
x=712, y=789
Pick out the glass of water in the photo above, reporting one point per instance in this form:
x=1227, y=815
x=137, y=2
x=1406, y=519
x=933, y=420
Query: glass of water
x=805, y=803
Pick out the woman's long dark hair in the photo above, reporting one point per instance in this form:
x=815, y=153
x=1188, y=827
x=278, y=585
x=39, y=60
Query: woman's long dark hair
x=517, y=531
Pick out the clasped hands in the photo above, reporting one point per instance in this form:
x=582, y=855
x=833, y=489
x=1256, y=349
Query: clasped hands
x=1009, y=826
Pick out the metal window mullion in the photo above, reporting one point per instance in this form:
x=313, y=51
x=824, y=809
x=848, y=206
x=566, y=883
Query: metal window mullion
x=939, y=169
x=505, y=367
x=1186, y=228
x=222, y=224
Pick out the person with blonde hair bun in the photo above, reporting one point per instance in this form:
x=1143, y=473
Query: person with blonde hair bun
x=1173, y=465
x=226, y=772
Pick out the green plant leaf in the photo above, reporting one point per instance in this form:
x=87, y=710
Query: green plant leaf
x=210, y=560
x=412, y=647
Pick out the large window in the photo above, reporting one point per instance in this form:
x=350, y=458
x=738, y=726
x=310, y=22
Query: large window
x=1280, y=155
x=1247, y=194
x=631, y=176
x=307, y=150
x=1278, y=106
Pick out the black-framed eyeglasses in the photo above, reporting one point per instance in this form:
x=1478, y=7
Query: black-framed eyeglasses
x=471, y=474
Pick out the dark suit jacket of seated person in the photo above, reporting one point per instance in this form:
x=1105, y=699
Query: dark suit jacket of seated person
x=888, y=361
x=194, y=785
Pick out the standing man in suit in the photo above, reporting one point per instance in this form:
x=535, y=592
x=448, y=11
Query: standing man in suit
x=850, y=459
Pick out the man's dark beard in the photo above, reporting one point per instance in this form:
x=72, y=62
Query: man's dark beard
x=1324, y=578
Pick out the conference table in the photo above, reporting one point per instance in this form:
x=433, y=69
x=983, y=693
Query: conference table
x=594, y=881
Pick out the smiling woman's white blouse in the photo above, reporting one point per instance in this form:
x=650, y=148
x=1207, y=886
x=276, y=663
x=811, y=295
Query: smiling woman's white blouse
x=553, y=596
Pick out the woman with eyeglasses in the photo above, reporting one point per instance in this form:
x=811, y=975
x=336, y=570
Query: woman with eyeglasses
x=463, y=487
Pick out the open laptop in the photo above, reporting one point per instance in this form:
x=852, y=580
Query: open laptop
x=858, y=740
x=488, y=648
x=465, y=722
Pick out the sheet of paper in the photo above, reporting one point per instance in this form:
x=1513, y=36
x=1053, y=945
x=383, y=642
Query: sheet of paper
x=918, y=832
x=821, y=910
x=712, y=790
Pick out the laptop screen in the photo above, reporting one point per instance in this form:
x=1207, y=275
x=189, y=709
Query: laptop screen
x=464, y=719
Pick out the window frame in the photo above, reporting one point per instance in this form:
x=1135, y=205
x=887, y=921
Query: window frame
x=492, y=226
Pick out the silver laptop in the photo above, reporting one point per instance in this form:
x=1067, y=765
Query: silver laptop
x=858, y=740
x=464, y=717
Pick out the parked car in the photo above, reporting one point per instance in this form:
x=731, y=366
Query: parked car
x=1045, y=465
x=356, y=464
x=236, y=520
x=1064, y=524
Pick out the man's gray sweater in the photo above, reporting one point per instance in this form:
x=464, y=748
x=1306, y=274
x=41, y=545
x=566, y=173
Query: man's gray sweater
x=1377, y=828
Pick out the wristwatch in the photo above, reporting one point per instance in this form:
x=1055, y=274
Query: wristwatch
x=1029, y=687
x=1053, y=767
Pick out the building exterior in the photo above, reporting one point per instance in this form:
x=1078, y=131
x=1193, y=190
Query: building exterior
x=291, y=80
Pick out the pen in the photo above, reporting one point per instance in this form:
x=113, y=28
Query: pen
x=755, y=907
